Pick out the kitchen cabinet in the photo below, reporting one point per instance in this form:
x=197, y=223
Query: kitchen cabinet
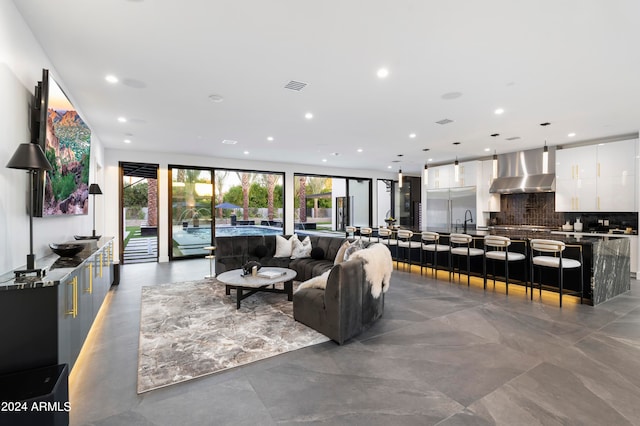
x=486, y=201
x=441, y=177
x=597, y=178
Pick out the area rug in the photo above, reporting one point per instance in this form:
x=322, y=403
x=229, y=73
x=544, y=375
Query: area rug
x=192, y=329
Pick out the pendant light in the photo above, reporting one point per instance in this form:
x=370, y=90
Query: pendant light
x=545, y=159
x=494, y=164
x=400, y=178
x=425, y=175
x=456, y=171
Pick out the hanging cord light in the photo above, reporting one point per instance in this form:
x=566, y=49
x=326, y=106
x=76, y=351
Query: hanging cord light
x=425, y=175
x=456, y=170
x=494, y=164
x=400, y=178
x=545, y=159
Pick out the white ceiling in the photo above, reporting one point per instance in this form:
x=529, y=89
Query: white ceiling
x=573, y=63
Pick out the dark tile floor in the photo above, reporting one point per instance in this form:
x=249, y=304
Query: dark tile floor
x=442, y=354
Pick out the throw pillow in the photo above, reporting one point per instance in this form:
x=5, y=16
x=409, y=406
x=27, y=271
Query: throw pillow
x=317, y=253
x=340, y=255
x=300, y=249
x=316, y=282
x=283, y=246
x=260, y=251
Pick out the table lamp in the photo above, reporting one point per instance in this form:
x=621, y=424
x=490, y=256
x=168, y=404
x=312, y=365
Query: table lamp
x=29, y=157
x=94, y=189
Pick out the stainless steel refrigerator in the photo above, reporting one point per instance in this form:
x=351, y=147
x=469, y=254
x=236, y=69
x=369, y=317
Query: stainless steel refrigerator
x=446, y=208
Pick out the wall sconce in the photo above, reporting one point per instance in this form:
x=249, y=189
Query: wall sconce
x=400, y=178
x=425, y=175
x=494, y=164
x=545, y=159
x=29, y=157
x=456, y=170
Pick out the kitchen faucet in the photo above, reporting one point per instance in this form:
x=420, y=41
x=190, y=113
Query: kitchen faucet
x=464, y=226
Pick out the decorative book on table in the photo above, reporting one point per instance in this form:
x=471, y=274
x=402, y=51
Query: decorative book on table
x=270, y=274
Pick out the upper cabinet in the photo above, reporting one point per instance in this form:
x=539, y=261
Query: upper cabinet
x=445, y=177
x=597, y=177
x=486, y=201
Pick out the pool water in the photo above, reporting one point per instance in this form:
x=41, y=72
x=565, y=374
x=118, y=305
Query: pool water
x=231, y=231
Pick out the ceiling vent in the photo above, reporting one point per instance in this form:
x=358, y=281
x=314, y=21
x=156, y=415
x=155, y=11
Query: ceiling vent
x=513, y=138
x=295, y=85
x=444, y=121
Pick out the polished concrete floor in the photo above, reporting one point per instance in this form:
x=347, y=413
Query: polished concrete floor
x=443, y=353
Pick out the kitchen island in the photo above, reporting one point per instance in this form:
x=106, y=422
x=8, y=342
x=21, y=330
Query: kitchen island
x=606, y=261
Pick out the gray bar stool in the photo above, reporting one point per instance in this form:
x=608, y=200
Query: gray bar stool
x=546, y=247
x=496, y=248
x=431, y=244
x=461, y=246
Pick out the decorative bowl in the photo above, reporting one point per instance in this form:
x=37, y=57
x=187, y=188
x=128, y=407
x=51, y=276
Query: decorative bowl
x=87, y=237
x=66, y=250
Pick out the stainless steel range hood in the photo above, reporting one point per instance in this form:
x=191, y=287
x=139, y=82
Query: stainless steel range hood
x=521, y=172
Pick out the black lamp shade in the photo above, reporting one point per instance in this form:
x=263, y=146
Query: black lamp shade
x=95, y=189
x=29, y=156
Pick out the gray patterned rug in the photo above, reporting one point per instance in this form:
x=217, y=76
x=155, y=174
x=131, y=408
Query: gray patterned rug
x=191, y=329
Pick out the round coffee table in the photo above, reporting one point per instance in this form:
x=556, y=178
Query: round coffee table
x=252, y=284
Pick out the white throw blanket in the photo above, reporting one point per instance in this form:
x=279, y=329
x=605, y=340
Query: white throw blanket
x=378, y=266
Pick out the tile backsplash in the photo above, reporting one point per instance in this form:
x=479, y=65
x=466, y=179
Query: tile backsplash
x=528, y=209
x=539, y=209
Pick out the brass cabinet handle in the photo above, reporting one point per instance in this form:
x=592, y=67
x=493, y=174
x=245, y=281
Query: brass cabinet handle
x=90, y=289
x=74, y=297
x=101, y=265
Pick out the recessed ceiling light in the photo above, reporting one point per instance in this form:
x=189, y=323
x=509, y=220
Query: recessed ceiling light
x=111, y=79
x=430, y=159
x=324, y=160
x=388, y=167
x=229, y=142
x=270, y=138
x=127, y=141
x=383, y=73
x=456, y=143
x=308, y=116
x=426, y=149
x=487, y=149
x=571, y=134
x=359, y=150
x=246, y=152
x=495, y=135
x=216, y=98
x=498, y=111
x=412, y=135
x=122, y=119
x=545, y=124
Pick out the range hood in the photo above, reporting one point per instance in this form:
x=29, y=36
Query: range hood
x=521, y=172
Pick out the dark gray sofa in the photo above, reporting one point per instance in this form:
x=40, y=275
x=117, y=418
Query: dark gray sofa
x=233, y=252
x=341, y=311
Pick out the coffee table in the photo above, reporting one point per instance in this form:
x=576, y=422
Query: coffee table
x=246, y=285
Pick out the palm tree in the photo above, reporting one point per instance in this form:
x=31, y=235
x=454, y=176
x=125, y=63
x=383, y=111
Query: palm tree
x=246, y=180
x=271, y=186
x=220, y=178
x=302, y=197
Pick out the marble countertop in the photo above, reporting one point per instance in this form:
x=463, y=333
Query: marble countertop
x=55, y=268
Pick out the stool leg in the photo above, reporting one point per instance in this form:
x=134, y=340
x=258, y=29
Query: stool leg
x=506, y=275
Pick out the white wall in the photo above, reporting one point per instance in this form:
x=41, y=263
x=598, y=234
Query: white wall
x=110, y=188
x=21, y=62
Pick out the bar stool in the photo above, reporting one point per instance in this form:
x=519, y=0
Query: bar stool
x=210, y=256
x=496, y=248
x=405, y=241
x=546, y=247
x=431, y=244
x=366, y=232
x=351, y=231
x=461, y=246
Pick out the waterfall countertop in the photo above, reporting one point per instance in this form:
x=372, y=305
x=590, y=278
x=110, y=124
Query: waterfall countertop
x=55, y=268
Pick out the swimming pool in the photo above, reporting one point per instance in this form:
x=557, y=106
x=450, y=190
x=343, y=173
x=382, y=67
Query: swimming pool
x=232, y=231
x=191, y=241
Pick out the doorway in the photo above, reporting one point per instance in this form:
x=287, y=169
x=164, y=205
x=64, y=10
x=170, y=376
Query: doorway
x=138, y=212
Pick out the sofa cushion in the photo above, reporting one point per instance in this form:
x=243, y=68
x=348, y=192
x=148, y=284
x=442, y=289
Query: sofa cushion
x=300, y=249
x=283, y=246
x=340, y=254
x=260, y=251
x=319, y=281
x=308, y=267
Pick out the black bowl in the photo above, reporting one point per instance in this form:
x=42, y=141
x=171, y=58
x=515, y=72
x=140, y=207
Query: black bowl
x=66, y=250
x=87, y=237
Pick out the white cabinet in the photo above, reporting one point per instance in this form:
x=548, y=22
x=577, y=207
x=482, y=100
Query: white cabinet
x=444, y=176
x=596, y=178
x=486, y=201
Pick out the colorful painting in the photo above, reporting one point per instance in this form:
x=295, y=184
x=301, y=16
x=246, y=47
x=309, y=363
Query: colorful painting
x=67, y=147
